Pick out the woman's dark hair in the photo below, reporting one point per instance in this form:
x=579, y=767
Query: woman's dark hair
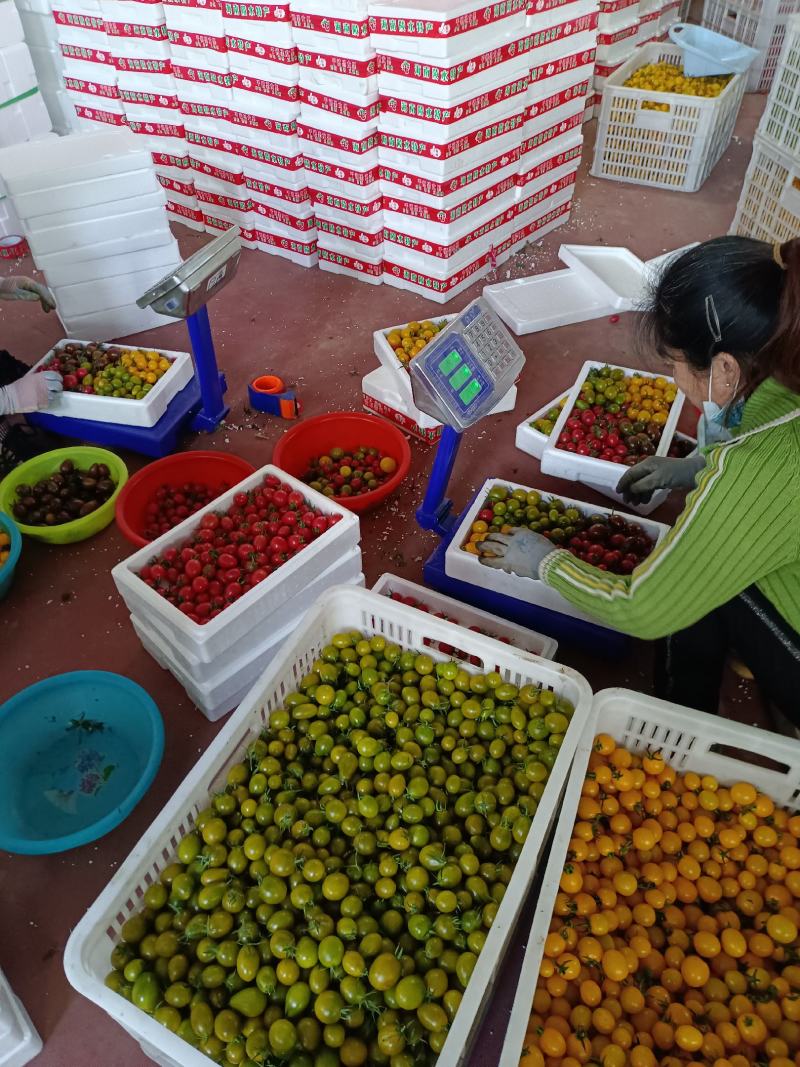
x=735, y=295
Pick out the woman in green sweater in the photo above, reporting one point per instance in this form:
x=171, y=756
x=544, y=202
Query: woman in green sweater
x=726, y=578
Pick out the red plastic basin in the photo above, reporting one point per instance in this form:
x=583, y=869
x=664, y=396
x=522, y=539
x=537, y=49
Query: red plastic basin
x=217, y=470
x=344, y=429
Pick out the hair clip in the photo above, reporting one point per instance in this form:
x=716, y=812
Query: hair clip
x=712, y=318
x=777, y=255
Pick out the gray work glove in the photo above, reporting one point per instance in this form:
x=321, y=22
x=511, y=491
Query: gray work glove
x=637, y=485
x=20, y=288
x=34, y=392
x=519, y=552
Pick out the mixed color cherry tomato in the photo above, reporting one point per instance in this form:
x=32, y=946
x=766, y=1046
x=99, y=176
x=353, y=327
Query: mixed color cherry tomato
x=341, y=473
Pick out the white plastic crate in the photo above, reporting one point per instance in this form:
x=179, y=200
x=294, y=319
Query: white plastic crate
x=569, y=465
x=145, y=412
x=87, y=953
x=19, y=1042
x=769, y=203
x=690, y=741
x=760, y=24
x=673, y=149
x=780, y=121
x=467, y=567
x=469, y=617
x=260, y=603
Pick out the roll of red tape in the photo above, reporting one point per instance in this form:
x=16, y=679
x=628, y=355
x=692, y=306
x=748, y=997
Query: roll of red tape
x=13, y=247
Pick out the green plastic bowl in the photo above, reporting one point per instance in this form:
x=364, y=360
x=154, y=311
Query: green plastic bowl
x=43, y=466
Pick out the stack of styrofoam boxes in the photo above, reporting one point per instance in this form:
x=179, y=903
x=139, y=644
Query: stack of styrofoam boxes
x=618, y=29
x=769, y=203
x=42, y=41
x=760, y=24
x=338, y=128
x=453, y=93
x=218, y=662
x=264, y=71
x=24, y=115
x=89, y=72
x=649, y=19
x=93, y=215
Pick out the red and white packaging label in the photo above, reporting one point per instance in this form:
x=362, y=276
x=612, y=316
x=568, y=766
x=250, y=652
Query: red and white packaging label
x=343, y=203
x=344, y=108
x=550, y=103
x=137, y=30
x=551, y=164
x=433, y=112
x=201, y=5
x=338, y=27
x=606, y=39
x=157, y=129
x=78, y=21
x=430, y=248
x=543, y=136
x=227, y=146
x=338, y=141
x=432, y=187
x=439, y=285
x=426, y=71
x=417, y=147
x=257, y=122
x=96, y=115
x=444, y=28
x=602, y=71
x=223, y=80
x=280, y=192
x=195, y=214
x=205, y=111
x=343, y=174
x=197, y=40
x=88, y=55
x=564, y=30
x=543, y=194
x=173, y=186
x=348, y=233
x=344, y=65
x=220, y=173
x=77, y=85
x=539, y=7
x=143, y=66
x=232, y=203
x=166, y=159
x=255, y=50
x=561, y=66
x=610, y=7
x=300, y=248
x=232, y=9
x=132, y=96
x=284, y=218
x=263, y=87
x=530, y=229
x=432, y=214
x=380, y=407
x=351, y=263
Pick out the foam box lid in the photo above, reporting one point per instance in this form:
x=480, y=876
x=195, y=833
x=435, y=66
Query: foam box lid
x=614, y=273
x=74, y=158
x=431, y=10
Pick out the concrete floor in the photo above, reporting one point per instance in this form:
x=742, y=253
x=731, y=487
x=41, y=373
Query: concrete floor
x=314, y=329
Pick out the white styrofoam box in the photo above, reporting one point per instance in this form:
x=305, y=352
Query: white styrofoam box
x=562, y=106
x=546, y=301
x=411, y=154
x=139, y=40
x=424, y=282
x=353, y=112
x=407, y=186
x=780, y=120
x=111, y=323
x=145, y=75
x=573, y=467
x=465, y=615
x=450, y=231
x=615, y=46
x=302, y=254
x=443, y=79
x=49, y=66
x=387, y=356
x=259, y=604
x=186, y=216
x=319, y=26
x=761, y=24
x=550, y=159
x=550, y=77
x=615, y=14
x=269, y=23
x=90, y=96
x=198, y=50
x=86, y=955
x=690, y=741
x=283, y=219
x=85, y=196
x=769, y=203
x=295, y=201
x=80, y=29
x=467, y=567
x=356, y=213
x=10, y=224
x=40, y=29
x=263, y=62
x=601, y=75
x=358, y=183
x=329, y=141
x=545, y=14
x=285, y=171
x=184, y=664
x=161, y=257
x=381, y=395
x=444, y=260
x=360, y=267
x=673, y=149
x=202, y=85
x=408, y=216
x=194, y=17
x=441, y=28
x=648, y=27
x=276, y=134
x=126, y=412
x=88, y=214
x=353, y=243
x=330, y=72
x=565, y=38
x=82, y=298
x=104, y=230
x=19, y=1041
x=25, y=120
x=670, y=14
x=26, y=168
x=272, y=98
x=614, y=273
x=17, y=74
x=129, y=242
x=11, y=30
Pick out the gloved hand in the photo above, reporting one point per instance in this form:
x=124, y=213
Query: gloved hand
x=31, y=393
x=519, y=552
x=19, y=288
x=638, y=484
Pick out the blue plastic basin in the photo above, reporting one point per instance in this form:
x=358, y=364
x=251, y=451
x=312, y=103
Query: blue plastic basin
x=7, y=569
x=77, y=753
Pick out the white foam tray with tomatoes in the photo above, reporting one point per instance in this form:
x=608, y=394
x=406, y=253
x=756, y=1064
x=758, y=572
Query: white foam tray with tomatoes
x=467, y=567
x=249, y=618
x=689, y=740
x=592, y=470
x=118, y=409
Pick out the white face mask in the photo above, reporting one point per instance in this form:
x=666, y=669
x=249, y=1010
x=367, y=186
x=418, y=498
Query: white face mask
x=718, y=420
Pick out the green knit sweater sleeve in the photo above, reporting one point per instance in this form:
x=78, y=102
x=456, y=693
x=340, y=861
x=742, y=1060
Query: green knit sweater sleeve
x=740, y=524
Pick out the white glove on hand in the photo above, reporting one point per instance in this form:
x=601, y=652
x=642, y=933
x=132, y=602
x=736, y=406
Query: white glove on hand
x=31, y=393
x=519, y=552
x=639, y=483
x=20, y=288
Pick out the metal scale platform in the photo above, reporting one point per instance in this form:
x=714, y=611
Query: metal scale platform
x=457, y=379
x=182, y=294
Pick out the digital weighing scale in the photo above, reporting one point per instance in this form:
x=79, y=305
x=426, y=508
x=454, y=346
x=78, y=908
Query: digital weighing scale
x=182, y=294
x=457, y=379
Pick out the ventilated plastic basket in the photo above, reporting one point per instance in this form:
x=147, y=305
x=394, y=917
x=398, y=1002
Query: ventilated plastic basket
x=86, y=958
x=758, y=23
x=689, y=741
x=666, y=140
x=769, y=203
x=780, y=122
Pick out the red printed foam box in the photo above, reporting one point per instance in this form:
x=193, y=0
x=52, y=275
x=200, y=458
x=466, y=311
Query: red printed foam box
x=617, y=45
x=548, y=195
x=267, y=24
x=535, y=139
x=187, y=216
x=601, y=73
x=136, y=30
x=89, y=116
x=175, y=165
x=549, y=161
x=444, y=222
x=89, y=64
x=330, y=72
x=566, y=38
x=94, y=94
x=648, y=27
x=358, y=183
x=195, y=16
x=351, y=266
x=614, y=14
x=295, y=201
x=559, y=106
x=441, y=123
x=443, y=259
x=442, y=28
x=303, y=253
x=353, y=112
x=415, y=154
x=281, y=219
x=544, y=14
x=448, y=80
x=270, y=98
x=553, y=76
x=162, y=137
x=326, y=140
x=258, y=59
x=352, y=240
x=80, y=29
x=361, y=216
x=217, y=224
x=179, y=191
x=316, y=26
x=147, y=75
x=144, y=106
x=225, y=178
x=409, y=186
x=203, y=85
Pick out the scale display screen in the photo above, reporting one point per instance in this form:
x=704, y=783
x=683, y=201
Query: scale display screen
x=457, y=370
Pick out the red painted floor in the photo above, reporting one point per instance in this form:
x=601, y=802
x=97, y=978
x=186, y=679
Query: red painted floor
x=315, y=330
